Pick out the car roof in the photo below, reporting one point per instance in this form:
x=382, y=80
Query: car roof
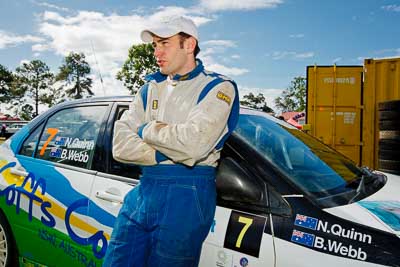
x=129, y=98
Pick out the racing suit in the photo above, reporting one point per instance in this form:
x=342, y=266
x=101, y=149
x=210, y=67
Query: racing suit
x=174, y=128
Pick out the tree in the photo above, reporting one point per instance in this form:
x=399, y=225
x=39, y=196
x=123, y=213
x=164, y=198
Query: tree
x=53, y=96
x=26, y=112
x=140, y=63
x=256, y=102
x=6, y=82
x=33, y=77
x=294, y=97
x=74, y=73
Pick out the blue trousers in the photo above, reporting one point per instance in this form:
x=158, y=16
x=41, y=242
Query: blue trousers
x=165, y=219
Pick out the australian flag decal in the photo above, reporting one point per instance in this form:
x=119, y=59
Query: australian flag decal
x=306, y=221
x=303, y=238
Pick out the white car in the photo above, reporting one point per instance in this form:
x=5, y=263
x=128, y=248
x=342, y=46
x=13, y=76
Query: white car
x=284, y=198
x=13, y=128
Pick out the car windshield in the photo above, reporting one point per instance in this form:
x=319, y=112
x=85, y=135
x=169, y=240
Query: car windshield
x=313, y=166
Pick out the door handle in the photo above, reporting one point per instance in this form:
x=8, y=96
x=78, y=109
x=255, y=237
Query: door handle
x=18, y=172
x=109, y=197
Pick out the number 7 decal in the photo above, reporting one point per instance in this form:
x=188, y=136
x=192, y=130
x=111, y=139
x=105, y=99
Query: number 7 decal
x=247, y=223
x=52, y=132
x=244, y=232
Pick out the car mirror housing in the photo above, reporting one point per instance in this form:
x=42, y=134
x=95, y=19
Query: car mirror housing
x=235, y=183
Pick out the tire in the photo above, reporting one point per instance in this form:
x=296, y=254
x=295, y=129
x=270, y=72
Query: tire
x=392, y=165
x=389, y=115
x=390, y=171
x=389, y=144
x=389, y=105
x=393, y=135
x=8, y=251
x=389, y=154
x=389, y=125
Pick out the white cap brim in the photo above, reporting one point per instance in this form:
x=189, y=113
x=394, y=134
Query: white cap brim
x=147, y=35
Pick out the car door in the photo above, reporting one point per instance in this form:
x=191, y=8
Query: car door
x=241, y=233
x=112, y=181
x=55, y=177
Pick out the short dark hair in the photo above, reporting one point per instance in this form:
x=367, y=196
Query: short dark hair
x=184, y=36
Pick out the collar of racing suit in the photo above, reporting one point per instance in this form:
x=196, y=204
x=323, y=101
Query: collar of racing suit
x=159, y=77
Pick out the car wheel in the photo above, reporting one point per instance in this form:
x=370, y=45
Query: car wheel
x=394, y=135
x=391, y=166
x=8, y=252
x=389, y=154
x=389, y=115
x=393, y=105
x=389, y=125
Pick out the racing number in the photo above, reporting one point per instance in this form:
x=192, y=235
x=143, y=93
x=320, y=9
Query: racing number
x=52, y=132
x=247, y=222
x=244, y=233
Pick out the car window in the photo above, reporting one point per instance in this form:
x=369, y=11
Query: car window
x=70, y=136
x=116, y=167
x=29, y=146
x=311, y=165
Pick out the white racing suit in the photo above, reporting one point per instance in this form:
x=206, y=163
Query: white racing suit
x=177, y=136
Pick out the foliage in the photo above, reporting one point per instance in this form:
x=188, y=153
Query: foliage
x=140, y=63
x=74, y=73
x=26, y=112
x=6, y=82
x=294, y=97
x=34, y=78
x=256, y=102
x=53, y=96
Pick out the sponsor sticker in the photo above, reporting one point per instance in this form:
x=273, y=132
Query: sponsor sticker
x=224, y=97
x=244, y=262
x=155, y=104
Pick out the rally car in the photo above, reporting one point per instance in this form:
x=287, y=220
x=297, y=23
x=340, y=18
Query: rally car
x=284, y=198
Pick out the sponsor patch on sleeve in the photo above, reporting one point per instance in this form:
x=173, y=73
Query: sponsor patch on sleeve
x=224, y=97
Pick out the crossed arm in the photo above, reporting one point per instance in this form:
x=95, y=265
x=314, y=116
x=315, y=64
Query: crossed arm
x=138, y=142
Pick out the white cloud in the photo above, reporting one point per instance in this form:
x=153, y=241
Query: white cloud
x=40, y=47
x=395, y=8
x=299, y=35
x=111, y=36
x=219, y=5
x=10, y=39
x=208, y=57
x=224, y=43
x=290, y=54
x=304, y=55
x=336, y=60
x=269, y=94
x=235, y=56
x=44, y=4
x=219, y=68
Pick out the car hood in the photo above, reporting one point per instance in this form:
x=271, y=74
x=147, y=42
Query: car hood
x=380, y=210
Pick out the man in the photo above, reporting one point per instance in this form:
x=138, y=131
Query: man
x=175, y=129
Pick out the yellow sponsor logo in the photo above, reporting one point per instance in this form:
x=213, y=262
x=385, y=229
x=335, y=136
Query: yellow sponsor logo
x=155, y=104
x=224, y=97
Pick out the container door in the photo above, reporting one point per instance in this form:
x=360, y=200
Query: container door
x=334, y=103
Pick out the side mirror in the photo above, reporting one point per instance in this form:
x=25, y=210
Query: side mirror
x=236, y=184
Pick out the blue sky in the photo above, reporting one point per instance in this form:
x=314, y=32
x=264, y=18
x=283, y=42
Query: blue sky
x=262, y=44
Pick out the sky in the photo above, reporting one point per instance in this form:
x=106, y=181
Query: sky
x=261, y=44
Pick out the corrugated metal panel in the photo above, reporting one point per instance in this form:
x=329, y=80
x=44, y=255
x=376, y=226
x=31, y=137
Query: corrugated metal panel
x=334, y=102
x=381, y=83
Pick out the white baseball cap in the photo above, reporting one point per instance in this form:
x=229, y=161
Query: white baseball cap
x=169, y=27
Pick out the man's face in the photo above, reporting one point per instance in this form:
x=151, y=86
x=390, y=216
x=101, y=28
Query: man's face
x=170, y=56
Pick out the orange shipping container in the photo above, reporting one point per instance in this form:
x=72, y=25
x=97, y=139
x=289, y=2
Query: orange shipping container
x=342, y=105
